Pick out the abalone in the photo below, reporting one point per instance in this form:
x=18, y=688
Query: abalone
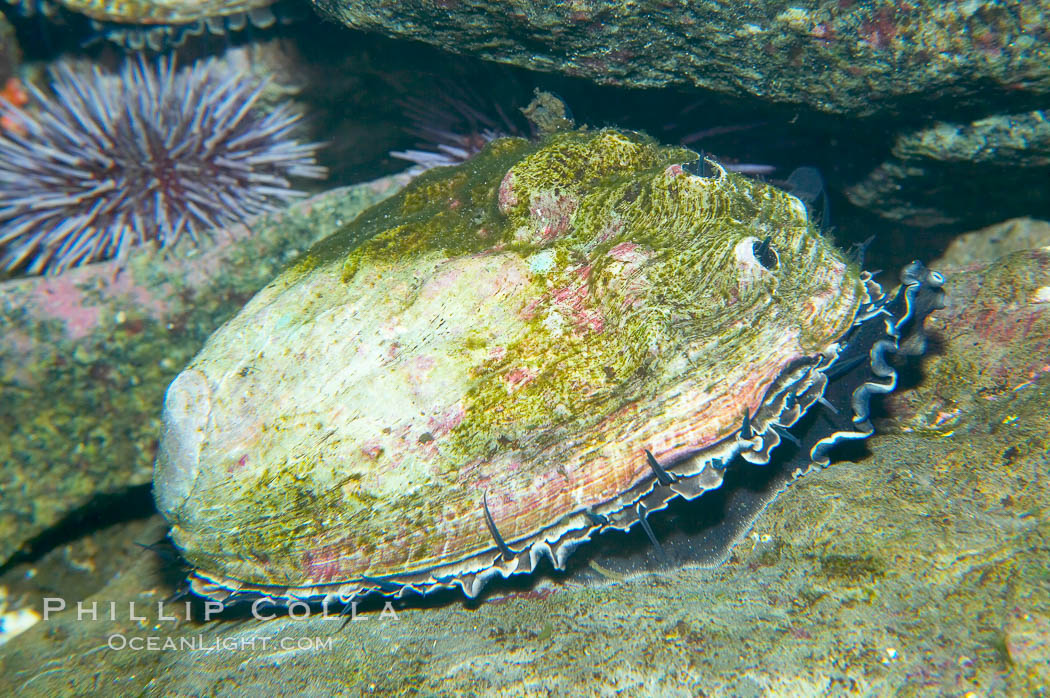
x=159, y=24
x=511, y=355
x=162, y=11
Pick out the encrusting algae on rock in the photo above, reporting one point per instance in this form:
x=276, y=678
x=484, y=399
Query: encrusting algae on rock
x=509, y=356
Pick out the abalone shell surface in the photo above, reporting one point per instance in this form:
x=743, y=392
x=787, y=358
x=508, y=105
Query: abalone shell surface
x=468, y=377
x=160, y=11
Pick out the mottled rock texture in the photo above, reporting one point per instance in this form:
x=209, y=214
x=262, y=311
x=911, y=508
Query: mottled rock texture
x=10, y=53
x=853, y=56
x=991, y=343
x=999, y=163
x=982, y=246
x=85, y=357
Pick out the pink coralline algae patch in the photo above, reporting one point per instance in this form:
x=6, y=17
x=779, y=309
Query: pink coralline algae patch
x=507, y=197
x=993, y=341
x=441, y=282
x=325, y=564
x=550, y=215
x=423, y=363
x=528, y=311
x=510, y=278
x=372, y=449
x=823, y=32
x=573, y=303
x=518, y=377
x=241, y=462
x=61, y=298
x=531, y=595
x=630, y=253
x=447, y=421
x=87, y=298
x=881, y=29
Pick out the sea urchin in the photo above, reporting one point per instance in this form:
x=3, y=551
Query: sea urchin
x=111, y=161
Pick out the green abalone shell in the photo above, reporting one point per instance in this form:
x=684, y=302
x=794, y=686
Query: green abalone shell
x=160, y=11
x=470, y=375
x=159, y=25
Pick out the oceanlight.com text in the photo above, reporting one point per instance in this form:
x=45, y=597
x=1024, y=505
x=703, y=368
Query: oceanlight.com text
x=199, y=643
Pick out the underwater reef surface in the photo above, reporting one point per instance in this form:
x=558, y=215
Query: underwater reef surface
x=85, y=357
x=856, y=56
x=1002, y=158
x=918, y=568
x=977, y=247
x=10, y=55
x=991, y=341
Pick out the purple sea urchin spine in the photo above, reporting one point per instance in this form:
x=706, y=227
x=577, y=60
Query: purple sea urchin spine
x=453, y=127
x=111, y=161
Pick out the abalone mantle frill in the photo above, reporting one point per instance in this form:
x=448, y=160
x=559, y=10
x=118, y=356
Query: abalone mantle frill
x=469, y=377
x=148, y=12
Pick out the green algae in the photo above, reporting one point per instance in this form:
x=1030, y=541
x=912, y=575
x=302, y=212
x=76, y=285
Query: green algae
x=592, y=177
x=632, y=279
x=852, y=568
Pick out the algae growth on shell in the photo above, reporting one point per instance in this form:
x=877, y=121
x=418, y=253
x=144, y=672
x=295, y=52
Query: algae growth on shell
x=503, y=359
x=159, y=25
x=161, y=11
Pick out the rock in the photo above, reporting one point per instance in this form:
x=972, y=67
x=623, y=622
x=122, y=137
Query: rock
x=991, y=343
x=1028, y=642
x=85, y=357
x=854, y=57
x=981, y=171
x=1019, y=140
x=991, y=243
